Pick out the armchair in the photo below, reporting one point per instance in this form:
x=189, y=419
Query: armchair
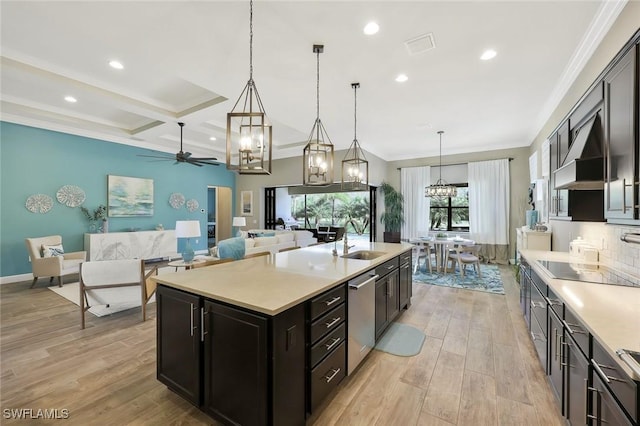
x=53, y=266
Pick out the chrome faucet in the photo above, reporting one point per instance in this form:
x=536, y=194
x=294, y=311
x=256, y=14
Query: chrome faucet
x=346, y=248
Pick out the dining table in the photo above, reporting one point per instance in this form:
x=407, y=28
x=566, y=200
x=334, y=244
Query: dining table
x=442, y=246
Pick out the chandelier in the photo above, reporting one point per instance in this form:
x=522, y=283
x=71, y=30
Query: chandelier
x=317, y=156
x=441, y=189
x=248, y=127
x=355, y=167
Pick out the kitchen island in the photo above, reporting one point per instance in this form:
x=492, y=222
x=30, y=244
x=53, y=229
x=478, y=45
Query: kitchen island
x=263, y=340
x=577, y=328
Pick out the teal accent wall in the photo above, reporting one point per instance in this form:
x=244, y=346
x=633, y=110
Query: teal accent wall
x=38, y=161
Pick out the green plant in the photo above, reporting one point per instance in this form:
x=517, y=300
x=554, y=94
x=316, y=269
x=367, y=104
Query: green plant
x=98, y=214
x=393, y=216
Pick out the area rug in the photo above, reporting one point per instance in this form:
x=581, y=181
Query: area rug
x=490, y=280
x=401, y=340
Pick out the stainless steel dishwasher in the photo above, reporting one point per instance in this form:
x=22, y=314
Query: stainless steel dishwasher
x=362, y=318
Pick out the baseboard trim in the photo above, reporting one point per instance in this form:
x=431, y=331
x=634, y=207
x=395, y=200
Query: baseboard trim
x=15, y=278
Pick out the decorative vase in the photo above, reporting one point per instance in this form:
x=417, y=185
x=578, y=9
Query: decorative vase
x=92, y=227
x=105, y=226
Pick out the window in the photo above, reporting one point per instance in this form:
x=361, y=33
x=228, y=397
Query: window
x=452, y=213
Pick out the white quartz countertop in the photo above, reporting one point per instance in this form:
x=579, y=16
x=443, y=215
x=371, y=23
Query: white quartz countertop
x=273, y=284
x=610, y=312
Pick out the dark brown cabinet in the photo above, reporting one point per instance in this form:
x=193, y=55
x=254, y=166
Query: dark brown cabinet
x=405, y=287
x=576, y=383
x=556, y=356
x=238, y=366
x=605, y=410
x=559, y=147
x=621, y=139
x=235, y=378
x=387, y=301
x=178, y=343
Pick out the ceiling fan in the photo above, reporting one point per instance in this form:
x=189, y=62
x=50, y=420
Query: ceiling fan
x=185, y=157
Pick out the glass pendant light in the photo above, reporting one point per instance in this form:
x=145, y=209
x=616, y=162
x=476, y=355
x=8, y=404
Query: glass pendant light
x=441, y=189
x=317, y=156
x=248, y=127
x=355, y=167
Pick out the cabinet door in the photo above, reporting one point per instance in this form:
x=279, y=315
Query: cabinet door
x=178, y=342
x=564, y=143
x=620, y=141
x=577, y=380
x=556, y=354
x=381, y=305
x=393, y=295
x=604, y=408
x=553, y=166
x=405, y=285
x=235, y=368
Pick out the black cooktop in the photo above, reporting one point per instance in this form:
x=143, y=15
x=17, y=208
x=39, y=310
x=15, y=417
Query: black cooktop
x=584, y=272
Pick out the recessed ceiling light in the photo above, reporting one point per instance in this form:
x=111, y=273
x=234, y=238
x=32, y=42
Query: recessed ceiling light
x=116, y=64
x=70, y=99
x=488, y=54
x=213, y=138
x=371, y=28
x=401, y=78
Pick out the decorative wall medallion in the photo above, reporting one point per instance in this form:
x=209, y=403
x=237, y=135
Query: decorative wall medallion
x=192, y=205
x=39, y=203
x=70, y=195
x=176, y=200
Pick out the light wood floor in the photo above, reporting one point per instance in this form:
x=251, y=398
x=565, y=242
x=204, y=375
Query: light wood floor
x=477, y=366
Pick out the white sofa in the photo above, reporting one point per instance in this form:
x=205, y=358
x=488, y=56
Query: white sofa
x=277, y=242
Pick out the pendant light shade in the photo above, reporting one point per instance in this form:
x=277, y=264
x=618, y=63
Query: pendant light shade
x=317, y=156
x=248, y=128
x=355, y=167
x=441, y=189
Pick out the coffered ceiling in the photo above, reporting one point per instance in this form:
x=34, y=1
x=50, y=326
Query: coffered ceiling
x=189, y=60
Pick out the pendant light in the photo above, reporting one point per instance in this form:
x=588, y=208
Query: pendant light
x=317, y=156
x=248, y=127
x=355, y=167
x=441, y=189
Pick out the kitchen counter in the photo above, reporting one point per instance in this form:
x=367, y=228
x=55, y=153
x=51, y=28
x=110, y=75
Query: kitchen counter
x=273, y=284
x=610, y=312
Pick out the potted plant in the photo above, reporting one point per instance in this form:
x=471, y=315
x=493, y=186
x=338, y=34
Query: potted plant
x=393, y=216
x=99, y=214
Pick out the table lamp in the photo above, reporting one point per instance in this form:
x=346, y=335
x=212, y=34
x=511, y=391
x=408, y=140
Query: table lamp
x=187, y=229
x=239, y=221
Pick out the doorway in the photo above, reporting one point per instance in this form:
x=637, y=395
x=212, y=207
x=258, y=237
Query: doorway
x=219, y=213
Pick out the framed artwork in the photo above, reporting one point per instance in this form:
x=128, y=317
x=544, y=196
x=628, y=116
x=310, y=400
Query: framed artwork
x=129, y=196
x=246, y=203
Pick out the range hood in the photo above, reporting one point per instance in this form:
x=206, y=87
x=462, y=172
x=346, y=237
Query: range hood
x=583, y=167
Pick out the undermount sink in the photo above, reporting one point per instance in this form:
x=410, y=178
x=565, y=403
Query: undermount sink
x=364, y=254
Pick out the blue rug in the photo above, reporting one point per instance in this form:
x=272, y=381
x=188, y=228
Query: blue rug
x=490, y=280
x=401, y=340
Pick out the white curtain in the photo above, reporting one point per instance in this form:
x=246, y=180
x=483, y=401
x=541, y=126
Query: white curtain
x=489, y=207
x=413, y=180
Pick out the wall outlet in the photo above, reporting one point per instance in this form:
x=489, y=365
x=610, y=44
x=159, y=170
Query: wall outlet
x=197, y=241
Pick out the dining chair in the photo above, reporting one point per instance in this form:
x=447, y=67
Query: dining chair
x=466, y=255
x=423, y=251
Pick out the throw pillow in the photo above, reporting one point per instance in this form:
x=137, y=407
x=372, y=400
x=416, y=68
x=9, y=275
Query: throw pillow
x=48, y=251
x=232, y=247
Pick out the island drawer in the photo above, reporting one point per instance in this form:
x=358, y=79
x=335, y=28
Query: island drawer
x=621, y=385
x=405, y=258
x=328, y=322
x=327, y=375
x=576, y=329
x=387, y=267
x=327, y=301
x=555, y=303
x=327, y=344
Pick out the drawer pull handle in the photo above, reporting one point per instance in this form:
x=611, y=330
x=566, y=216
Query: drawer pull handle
x=332, y=301
x=571, y=330
x=333, y=343
x=192, y=328
x=334, y=372
x=604, y=377
x=333, y=322
x=202, y=323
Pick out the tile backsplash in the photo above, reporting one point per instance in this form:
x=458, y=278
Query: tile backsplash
x=606, y=238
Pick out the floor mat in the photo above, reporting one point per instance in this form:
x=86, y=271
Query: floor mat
x=401, y=340
x=490, y=280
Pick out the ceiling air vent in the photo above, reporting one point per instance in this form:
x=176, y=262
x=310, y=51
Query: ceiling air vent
x=420, y=44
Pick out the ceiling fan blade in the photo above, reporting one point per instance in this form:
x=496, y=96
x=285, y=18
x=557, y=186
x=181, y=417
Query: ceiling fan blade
x=204, y=158
x=164, y=157
x=201, y=163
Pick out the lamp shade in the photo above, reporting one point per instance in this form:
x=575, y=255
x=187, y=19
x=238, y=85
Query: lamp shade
x=187, y=228
x=239, y=221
